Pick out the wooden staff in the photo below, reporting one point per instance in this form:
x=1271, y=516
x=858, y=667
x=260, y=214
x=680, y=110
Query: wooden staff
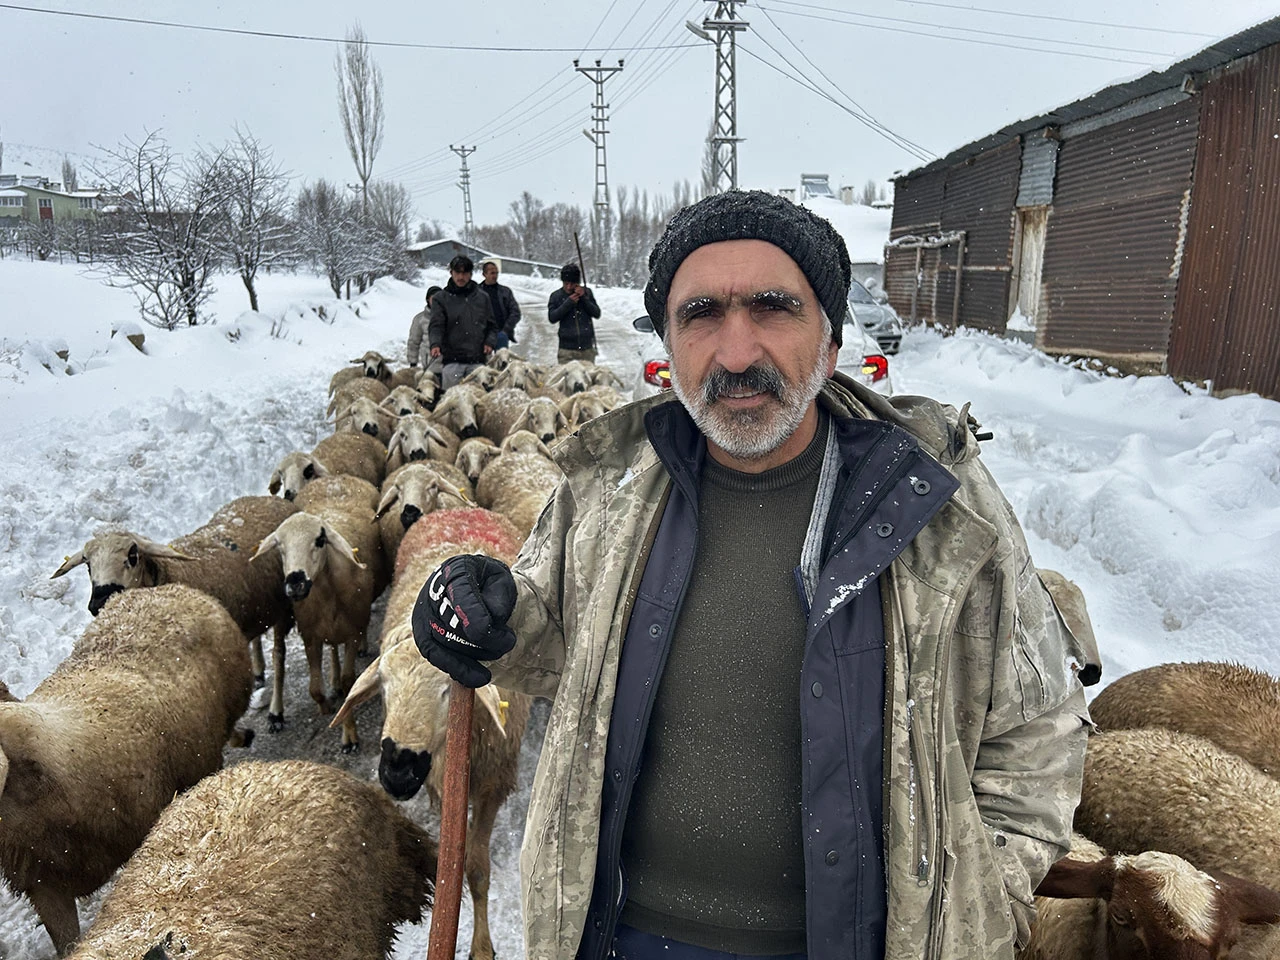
x=450, y=866
x=581, y=266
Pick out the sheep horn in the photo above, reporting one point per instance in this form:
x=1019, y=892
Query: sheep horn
x=74, y=560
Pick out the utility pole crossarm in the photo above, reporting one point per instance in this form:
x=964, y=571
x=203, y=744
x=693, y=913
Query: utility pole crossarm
x=464, y=184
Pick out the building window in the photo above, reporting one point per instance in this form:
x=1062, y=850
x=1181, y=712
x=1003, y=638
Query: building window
x=46, y=203
x=86, y=203
x=10, y=201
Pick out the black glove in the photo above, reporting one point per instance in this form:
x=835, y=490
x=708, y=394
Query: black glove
x=460, y=617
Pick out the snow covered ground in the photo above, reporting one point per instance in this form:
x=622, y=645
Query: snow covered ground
x=1163, y=506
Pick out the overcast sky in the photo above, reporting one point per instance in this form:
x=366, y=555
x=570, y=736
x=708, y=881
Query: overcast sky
x=75, y=83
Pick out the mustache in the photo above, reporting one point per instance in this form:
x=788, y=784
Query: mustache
x=764, y=378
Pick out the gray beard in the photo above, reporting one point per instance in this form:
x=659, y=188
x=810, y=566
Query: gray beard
x=753, y=434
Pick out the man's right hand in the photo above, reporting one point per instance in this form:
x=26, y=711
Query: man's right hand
x=460, y=617
x=435, y=351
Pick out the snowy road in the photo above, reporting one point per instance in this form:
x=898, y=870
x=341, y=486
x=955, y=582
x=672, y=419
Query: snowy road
x=1164, y=506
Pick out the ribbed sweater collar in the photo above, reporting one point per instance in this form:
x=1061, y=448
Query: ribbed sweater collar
x=793, y=471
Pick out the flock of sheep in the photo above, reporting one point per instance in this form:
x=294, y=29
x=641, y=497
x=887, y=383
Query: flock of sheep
x=114, y=759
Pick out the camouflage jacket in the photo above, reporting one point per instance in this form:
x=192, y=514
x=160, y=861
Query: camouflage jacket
x=985, y=721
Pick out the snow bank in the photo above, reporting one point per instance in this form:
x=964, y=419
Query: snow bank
x=865, y=229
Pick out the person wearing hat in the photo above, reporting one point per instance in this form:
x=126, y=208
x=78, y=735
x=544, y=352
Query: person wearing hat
x=573, y=309
x=416, y=347
x=811, y=698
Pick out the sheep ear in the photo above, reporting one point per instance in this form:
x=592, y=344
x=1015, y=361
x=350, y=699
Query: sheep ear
x=273, y=487
x=545, y=451
x=367, y=686
x=269, y=542
x=339, y=543
x=4, y=770
x=1251, y=902
x=74, y=560
x=394, y=443
x=153, y=549
x=319, y=468
x=561, y=422
x=437, y=436
x=491, y=700
x=388, y=499
x=1077, y=879
x=333, y=405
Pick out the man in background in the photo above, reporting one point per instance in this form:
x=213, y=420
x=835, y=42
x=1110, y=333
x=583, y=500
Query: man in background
x=573, y=308
x=462, y=331
x=506, y=312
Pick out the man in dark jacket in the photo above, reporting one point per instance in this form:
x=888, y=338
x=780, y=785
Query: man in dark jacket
x=506, y=312
x=574, y=308
x=462, y=331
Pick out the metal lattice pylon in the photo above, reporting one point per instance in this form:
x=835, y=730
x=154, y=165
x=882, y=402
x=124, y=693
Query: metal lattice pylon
x=726, y=26
x=464, y=183
x=600, y=222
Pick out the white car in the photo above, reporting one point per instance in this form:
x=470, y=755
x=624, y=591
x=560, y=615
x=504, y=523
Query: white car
x=860, y=358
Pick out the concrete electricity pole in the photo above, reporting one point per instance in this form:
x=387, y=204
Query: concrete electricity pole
x=468, y=227
x=726, y=26
x=600, y=117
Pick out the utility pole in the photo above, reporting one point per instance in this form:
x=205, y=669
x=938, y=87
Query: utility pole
x=726, y=26
x=599, y=115
x=464, y=184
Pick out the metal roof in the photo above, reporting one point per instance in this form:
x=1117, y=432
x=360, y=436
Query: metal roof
x=1219, y=54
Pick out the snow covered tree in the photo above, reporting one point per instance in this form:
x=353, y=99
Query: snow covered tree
x=253, y=226
x=70, y=181
x=360, y=105
x=428, y=230
x=166, y=250
x=328, y=228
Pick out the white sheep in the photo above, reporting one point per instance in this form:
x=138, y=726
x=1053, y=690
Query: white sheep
x=501, y=357
x=331, y=557
x=354, y=390
x=474, y=455
x=569, y=378
x=1156, y=789
x=417, y=489
x=342, y=454
x=137, y=713
x=581, y=407
x=284, y=859
x=482, y=376
x=415, y=701
x=507, y=409
x=1149, y=906
x=403, y=401
x=419, y=438
x=1235, y=706
x=372, y=365
x=518, y=485
x=365, y=416
x=213, y=558
x=456, y=410
x=519, y=374
x=522, y=441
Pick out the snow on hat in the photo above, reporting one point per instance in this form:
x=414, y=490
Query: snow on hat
x=808, y=239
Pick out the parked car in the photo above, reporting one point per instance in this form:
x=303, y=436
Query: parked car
x=860, y=358
x=876, y=317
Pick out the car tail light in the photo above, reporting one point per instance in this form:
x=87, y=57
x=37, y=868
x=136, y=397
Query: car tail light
x=658, y=373
x=875, y=366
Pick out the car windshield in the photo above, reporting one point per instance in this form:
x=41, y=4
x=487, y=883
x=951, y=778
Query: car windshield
x=858, y=293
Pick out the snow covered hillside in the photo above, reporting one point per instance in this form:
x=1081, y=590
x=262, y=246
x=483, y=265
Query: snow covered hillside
x=1163, y=506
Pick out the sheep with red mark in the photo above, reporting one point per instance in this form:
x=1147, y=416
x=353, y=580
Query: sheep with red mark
x=518, y=485
x=372, y=365
x=1156, y=789
x=415, y=700
x=330, y=554
x=214, y=558
x=261, y=860
x=1235, y=706
x=341, y=454
x=137, y=713
x=419, y=438
x=412, y=492
x=1149, y=906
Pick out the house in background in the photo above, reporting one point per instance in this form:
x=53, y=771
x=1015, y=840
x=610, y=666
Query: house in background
x=37, y=198
x=438, y=253
x=1139, y=225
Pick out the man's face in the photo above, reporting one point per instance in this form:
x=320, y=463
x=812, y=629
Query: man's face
x=749, y=345
x=569, y=285
x=490, y=272
x=460, y=277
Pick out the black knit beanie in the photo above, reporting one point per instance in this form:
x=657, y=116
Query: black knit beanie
x=807, y=238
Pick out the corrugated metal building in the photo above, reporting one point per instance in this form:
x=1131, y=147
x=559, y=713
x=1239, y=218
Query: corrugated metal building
x=1140, y=225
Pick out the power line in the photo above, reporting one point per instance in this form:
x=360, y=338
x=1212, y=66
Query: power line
x=597, y=29
x=984, y=43
x=867, y=113
x=987, y=33
x=1045, y=16
x=238, y=31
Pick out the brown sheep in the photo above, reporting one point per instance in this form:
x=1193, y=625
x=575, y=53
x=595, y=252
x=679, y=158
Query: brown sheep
x=284, y=859
x=403, y=401
x=1153, y=906
x=1235, y=706
x=137, y=713
x=331, y=557
x=518, y=485
x=213, y=558
x=372, y=365
x=415, y=699
x=354, y=390
x=342, y=454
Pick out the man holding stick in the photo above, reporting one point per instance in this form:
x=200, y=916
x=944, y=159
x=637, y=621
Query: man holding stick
x=573, y=308
x=809, y=693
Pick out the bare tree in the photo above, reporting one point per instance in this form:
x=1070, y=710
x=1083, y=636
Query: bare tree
x=165, y=252
x=70, y=181
x=428, y=230
x=529, y=223
x=707, y=186
x=869, y=191
x=253, y=227
x=360, y=105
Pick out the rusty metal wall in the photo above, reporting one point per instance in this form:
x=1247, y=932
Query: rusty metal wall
x=1227, y=323
x=917, y=204
x=1110, y=261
